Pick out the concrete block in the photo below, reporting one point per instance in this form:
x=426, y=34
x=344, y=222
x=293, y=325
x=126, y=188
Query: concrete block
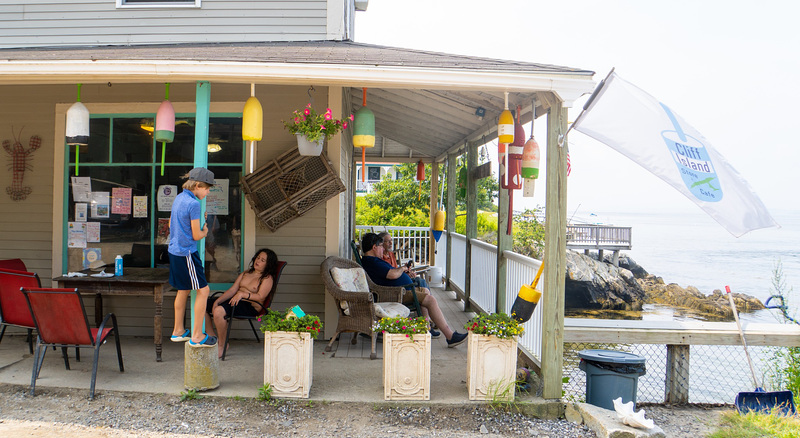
x=200, y=367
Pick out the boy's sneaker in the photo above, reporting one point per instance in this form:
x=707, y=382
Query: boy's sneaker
x=456, y=339
x=435, y=334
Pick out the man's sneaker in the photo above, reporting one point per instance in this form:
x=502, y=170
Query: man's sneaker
x=456, y=339
x=435, y=334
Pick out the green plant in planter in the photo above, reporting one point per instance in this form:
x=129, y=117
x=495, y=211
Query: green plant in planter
x=496, y=324
x=274, y=321
x=406, y=326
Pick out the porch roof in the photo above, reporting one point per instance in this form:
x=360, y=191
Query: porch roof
x=424, y=102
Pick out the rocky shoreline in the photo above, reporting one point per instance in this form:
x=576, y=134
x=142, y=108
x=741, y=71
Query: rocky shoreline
x=593, y=285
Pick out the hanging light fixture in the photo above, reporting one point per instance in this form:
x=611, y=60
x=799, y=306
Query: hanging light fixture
x=252, y=123
x=165, y=125
x=364, y=132
x=77, y=129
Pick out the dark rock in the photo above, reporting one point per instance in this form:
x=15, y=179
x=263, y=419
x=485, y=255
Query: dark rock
x=601, y=286
x=715, y=306
x=591, y=284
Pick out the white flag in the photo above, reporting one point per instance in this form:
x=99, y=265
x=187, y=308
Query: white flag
x=637, y=125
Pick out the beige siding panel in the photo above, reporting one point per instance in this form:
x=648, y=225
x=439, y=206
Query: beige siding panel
x=57, y=23
x=26, y=229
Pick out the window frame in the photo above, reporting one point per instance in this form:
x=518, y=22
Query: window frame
x=153, y=166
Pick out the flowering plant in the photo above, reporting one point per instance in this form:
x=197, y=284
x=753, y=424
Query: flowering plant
x=274, y=321
x=496, y=324
x=315, y=126
x=407, y=326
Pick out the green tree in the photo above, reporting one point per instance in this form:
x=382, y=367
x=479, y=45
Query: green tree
x=404, y=201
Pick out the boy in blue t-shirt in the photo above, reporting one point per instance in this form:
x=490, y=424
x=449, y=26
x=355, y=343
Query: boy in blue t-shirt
x=185, y=268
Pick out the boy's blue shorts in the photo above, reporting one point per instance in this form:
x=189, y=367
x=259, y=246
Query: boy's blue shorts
x=186, y=272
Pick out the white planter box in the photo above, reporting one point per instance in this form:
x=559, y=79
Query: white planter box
x=406, y=367
x=288, y=363
x=491, y=367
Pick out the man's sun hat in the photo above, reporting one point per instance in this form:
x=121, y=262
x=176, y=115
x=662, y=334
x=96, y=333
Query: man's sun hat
x=202, y=174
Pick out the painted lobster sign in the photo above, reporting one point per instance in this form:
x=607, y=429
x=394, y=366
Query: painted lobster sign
x=20, y=160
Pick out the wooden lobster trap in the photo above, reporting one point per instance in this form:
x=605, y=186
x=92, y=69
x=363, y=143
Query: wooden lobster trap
x=289, y=186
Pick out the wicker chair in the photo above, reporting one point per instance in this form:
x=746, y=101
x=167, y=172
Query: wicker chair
x=361, y=312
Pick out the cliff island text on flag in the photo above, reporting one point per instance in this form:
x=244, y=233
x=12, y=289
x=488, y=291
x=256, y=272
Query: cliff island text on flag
x=637, y=125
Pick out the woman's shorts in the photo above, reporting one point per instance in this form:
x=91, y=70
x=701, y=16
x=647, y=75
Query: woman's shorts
x=186, y=272
x=244, y=308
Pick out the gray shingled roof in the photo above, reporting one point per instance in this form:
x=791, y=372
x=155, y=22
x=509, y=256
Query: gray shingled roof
x=331, y=52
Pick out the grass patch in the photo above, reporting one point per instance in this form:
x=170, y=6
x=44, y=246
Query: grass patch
x=752, y=425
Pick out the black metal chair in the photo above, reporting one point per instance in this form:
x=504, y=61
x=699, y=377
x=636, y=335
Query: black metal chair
x=262, y=309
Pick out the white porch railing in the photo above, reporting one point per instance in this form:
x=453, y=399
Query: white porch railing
x=410, y=243
x=520, y=270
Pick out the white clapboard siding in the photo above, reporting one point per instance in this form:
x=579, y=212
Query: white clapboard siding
x=99, y=22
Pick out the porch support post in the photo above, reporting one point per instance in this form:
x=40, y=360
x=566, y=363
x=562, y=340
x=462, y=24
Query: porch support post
x=504, y=242
x=433, y=207
x=555, y=253
x=472, y=218
x=202, y=113
x=450, y=217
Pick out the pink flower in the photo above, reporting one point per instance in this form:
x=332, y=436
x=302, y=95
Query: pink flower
x=297, y=119
x=322, y=127
x=344, y=125
x=328, y=116
x=309, y=105
x=403, y=328
x=306, y=111
x=327, y=111
x=352, y=117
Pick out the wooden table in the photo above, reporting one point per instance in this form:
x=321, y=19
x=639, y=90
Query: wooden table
x=134, y=281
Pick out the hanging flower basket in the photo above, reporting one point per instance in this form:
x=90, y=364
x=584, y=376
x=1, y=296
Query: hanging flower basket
x=307, y=147
x=313, y=129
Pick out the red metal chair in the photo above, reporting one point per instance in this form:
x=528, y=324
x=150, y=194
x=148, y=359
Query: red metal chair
x=15, y=264
x=263, y=309
x=60, y=319
x=13, y=308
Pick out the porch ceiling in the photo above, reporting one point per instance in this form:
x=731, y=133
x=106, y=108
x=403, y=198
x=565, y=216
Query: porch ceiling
x=424, y=102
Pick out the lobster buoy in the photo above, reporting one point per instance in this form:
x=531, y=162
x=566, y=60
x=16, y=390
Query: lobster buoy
x=438, y=224
x=165, y=123
x=530, y=166
x=77, y=128
x=364, y=132
x=505, y=125
x=525, y=303
x=252, y=123
x=527, y=298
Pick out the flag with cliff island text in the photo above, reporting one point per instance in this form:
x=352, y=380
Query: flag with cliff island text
x=637, y=125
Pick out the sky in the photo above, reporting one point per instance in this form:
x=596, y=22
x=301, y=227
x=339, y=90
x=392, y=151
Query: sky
x=728, y=68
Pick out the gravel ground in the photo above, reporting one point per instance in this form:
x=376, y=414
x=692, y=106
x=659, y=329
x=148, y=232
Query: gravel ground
x=69, y=413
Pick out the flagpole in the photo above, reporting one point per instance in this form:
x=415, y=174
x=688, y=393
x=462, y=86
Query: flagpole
x=585, y=107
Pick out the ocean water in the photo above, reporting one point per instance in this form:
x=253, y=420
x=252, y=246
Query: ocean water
x=690, y=248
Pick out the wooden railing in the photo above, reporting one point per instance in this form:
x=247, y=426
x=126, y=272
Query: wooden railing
x=598, y=237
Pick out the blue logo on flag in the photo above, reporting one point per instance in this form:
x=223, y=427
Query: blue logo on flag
x=694, y=164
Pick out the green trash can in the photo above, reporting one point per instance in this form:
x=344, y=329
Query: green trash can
x=611, y=374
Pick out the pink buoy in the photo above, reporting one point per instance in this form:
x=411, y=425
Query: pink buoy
x=165, y=123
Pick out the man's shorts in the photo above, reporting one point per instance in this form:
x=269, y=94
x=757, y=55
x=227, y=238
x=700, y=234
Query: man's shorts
x=186, y=272
x=408, y=298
